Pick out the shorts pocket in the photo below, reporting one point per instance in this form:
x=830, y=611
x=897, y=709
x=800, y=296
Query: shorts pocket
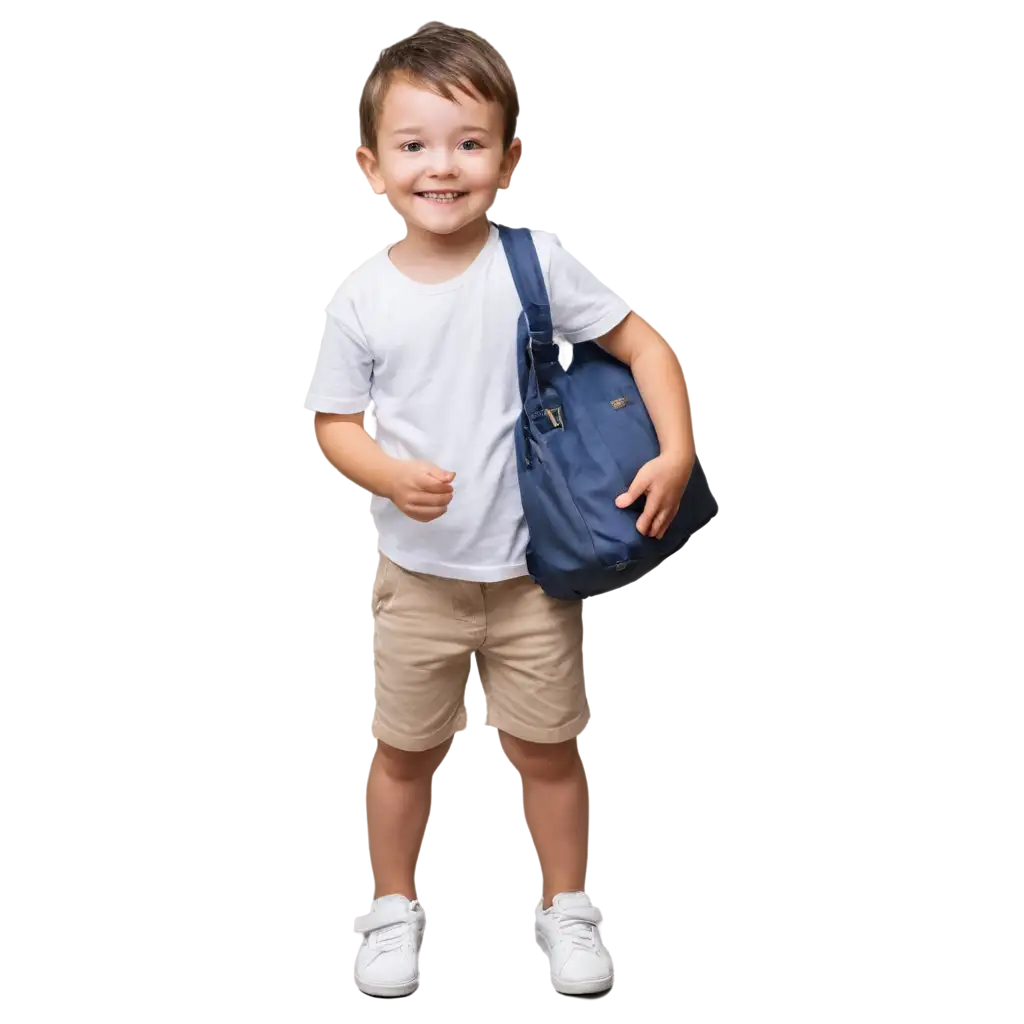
x=385, y=585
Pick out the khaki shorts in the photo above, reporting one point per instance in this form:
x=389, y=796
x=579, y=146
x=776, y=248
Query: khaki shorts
x=528, y=647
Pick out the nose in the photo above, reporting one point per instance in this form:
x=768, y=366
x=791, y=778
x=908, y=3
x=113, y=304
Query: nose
x=443, y=165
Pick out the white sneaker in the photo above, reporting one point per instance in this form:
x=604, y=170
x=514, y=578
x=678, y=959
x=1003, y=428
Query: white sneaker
x=567, y=932
x=387, y=963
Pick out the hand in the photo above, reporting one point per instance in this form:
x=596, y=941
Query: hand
x=663, y=480
x=420, y=489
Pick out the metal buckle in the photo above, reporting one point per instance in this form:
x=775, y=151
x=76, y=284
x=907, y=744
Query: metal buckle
x=555, y=415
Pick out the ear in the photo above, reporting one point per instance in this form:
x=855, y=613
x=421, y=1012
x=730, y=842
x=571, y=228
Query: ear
x=368, y=165
x=508, y=163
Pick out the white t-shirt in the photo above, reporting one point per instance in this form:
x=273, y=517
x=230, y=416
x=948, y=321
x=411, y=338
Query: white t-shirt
x=439, y=363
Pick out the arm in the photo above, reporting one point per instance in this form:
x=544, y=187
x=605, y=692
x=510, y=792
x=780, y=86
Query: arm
x=659, y=378
x=420, y=489
x=578, y=300
x=342, y=381
x=352, y=452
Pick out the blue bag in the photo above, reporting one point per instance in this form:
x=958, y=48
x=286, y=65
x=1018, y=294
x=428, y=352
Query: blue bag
x=583, y=435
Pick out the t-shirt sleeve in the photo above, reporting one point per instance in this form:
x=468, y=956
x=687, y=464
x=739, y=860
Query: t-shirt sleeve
x=582, y=308
x=343, y=377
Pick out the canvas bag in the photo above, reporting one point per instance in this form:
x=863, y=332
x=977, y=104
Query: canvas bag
x=583, y=435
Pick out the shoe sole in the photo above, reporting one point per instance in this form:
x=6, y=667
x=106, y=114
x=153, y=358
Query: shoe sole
x=388, y=991
x=583, y=988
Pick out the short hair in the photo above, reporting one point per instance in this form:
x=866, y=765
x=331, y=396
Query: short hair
x=438, y=57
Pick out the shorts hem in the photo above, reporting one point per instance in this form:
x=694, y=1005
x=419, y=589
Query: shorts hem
x=534, y=734
x=415, y=744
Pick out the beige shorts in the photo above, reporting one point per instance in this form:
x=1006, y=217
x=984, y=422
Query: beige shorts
x=528, y=647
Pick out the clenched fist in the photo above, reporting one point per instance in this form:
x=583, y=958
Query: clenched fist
x=420, y=489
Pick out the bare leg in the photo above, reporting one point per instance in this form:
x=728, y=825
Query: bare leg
x=397, y=808
x=557, y=806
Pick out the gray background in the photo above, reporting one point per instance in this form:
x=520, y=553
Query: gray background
x=181, y=586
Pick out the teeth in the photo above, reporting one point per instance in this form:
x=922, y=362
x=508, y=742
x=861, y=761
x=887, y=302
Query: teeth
x=441, y=195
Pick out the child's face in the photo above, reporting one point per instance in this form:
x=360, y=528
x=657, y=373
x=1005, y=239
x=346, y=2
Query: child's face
x=454, y=147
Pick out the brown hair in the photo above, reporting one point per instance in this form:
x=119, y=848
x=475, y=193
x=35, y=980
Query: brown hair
x=438, y=57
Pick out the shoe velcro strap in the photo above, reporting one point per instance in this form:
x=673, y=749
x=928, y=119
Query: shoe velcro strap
x=382, y=918
x=589, y=914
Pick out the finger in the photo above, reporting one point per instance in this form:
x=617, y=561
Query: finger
x=665, y=521
x=646, y=520
x=658, y=521
x=444, y=475
x=425, y=513
x=636, y=489
x=431, y=485
x=426, y=499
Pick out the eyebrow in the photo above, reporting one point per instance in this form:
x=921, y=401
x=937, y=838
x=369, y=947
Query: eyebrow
x=462, y=128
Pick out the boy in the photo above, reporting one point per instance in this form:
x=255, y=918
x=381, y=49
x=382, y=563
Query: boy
x=427, y=330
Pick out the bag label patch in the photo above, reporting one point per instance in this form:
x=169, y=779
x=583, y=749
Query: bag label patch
x=620, y=403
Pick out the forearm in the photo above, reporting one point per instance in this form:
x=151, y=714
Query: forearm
x=659, y=377
x=357, y=456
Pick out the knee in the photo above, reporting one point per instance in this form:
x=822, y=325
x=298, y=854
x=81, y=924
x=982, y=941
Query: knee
x=541, y=760
x=406, y=766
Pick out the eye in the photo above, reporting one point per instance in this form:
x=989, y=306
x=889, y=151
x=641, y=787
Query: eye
x=474, y=142
x=411, y=144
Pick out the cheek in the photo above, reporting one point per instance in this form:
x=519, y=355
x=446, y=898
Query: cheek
x=483, y=174
x=398, y=172
x=408, y=184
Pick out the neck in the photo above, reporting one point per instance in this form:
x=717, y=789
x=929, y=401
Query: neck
x=425, y=244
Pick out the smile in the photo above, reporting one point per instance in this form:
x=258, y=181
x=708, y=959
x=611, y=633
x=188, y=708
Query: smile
x=441, y=197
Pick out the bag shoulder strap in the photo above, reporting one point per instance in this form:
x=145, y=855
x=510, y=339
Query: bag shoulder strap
x=529, y=279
